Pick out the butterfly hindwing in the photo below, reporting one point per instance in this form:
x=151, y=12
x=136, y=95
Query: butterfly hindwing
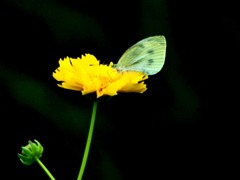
x=147, y=56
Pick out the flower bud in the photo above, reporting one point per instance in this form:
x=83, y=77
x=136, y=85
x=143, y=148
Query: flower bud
x=31, y=152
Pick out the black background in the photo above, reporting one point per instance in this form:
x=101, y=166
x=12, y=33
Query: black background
x=182, y=126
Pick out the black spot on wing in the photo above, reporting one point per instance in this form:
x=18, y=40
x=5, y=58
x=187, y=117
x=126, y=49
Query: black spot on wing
x=163, y=43
x=141, y=46
x=150, y=61
x=150, y=51
x=135, y=50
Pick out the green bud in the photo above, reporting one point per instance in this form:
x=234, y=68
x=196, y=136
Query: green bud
x=31, y=152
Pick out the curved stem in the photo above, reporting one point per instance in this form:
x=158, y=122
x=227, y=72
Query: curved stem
x=45, y=169
x=85, y=156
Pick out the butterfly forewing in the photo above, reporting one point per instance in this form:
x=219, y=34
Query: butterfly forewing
x=147, y=56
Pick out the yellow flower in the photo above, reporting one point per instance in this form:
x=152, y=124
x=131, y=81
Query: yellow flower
x=87, y=75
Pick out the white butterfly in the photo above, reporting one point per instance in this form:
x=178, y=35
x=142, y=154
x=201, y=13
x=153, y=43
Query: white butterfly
x=147, y=56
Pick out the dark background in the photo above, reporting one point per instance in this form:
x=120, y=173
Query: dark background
x=178, y=128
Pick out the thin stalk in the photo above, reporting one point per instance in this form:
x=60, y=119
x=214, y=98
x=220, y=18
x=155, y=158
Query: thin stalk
x=45, y=169
x=89, y=138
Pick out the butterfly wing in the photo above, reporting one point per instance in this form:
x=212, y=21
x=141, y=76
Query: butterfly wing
x=147, y=56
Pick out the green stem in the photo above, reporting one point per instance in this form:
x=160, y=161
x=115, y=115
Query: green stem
x=45, y=169
x=85, y=156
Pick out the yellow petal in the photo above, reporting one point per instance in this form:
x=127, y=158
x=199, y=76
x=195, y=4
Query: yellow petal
x=87, y=75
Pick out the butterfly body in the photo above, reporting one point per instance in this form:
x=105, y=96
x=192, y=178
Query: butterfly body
x=147, y=56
